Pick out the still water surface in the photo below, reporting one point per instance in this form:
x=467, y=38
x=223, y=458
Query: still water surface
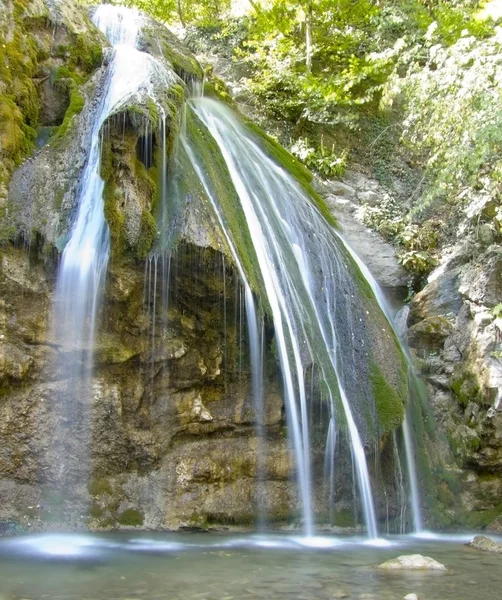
x=146, y=566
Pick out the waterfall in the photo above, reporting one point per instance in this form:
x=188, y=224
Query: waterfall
x=302, y=265
x=129, y=75
x=407, y=436
x=304, y=268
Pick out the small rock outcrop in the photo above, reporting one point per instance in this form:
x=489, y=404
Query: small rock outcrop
x=346, y=199
x=485, y=544
x=412, y=562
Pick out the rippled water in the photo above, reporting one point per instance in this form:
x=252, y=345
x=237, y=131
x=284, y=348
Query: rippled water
x=224, y=567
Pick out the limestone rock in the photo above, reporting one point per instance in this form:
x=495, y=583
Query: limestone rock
x=14, y=364
x=486, y=544
x=339, y=188
x=370, y=198
x=430, y=333
x=439, y=297
x=412, y=562
x=496, y=525
x=410, y=597
x=379, y=256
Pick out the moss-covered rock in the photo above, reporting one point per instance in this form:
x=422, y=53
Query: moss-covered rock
x=131, y=517
x=35, y=39
x=220, y=184
x=157, y=40
x=389, y=403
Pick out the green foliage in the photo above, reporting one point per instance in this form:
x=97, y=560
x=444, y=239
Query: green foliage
x=453, y=117
x=98, y=487
x=497, y=311
x=203, y=12
x=322, y=161
x=419, y=262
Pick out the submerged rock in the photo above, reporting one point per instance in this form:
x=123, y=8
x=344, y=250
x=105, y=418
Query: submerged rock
x=486, y=544
x=415, y=562
x=410, y=597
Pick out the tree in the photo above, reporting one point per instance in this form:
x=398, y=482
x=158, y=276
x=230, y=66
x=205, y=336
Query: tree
x=187, y=12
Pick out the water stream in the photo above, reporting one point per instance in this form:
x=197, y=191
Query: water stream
x=301, y=267
x=84, y=261
x=215, y=567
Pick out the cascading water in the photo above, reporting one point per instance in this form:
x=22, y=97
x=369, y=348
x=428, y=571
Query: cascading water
x=303, y=272
x=83, y=267
x=416, y=510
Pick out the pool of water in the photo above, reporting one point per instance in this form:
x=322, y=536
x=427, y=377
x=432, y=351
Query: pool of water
x=129, y=566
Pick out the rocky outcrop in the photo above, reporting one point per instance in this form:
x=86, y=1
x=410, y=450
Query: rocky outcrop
x=346, y=199
x=47, y=50
x=455, y=331
x=160, y=431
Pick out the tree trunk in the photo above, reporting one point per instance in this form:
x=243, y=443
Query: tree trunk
x=308, y=36
x=180, y=13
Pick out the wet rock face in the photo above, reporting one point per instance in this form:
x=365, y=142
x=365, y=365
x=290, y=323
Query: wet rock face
x=455, y=330
x=164, y=434
x=170, y=431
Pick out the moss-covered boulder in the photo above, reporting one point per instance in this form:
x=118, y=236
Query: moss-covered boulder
x=38, y=38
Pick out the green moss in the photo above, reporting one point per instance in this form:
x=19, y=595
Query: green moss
x=344, y=518
x=7, y=231
x=466, y=387
x=64, y=76
x=147, y=234
x=19, y=104
x=214, y=87
x=74, y=108
x=20, y=56
x=388, y=403
x=131, y=518
x=221, y=187
x=177, y=94
x=98, y=487
x=95, y=510
x=114, y=217
x=86, y=54
x=184, y=65
x=482, y=518
x=111, y=199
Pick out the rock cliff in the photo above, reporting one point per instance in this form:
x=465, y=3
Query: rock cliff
x=171, y=434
